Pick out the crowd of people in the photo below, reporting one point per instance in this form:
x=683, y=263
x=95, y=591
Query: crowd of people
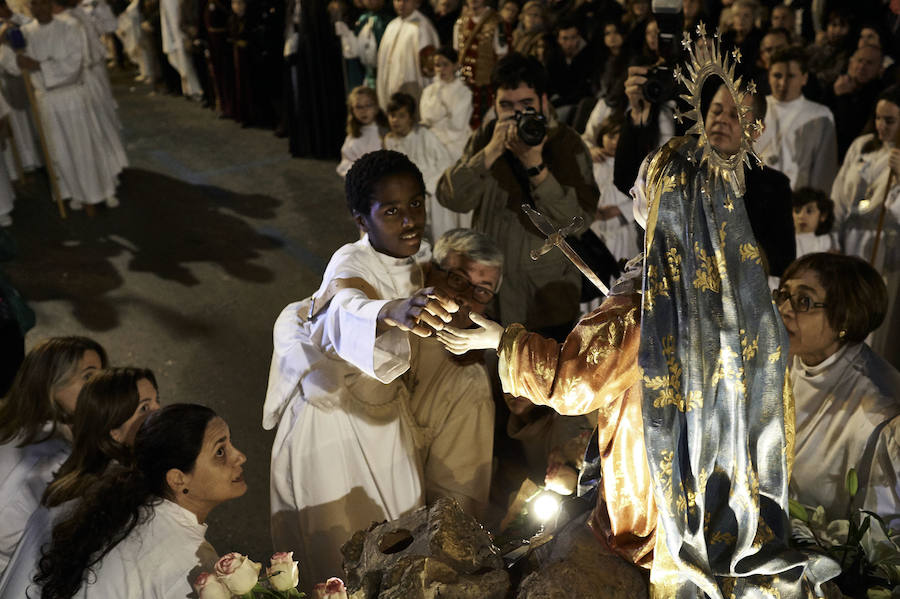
x=438, y=358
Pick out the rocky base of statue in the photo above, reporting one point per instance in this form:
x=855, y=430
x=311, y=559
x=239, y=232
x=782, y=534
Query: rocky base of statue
x=432, y=552
x=575, y=564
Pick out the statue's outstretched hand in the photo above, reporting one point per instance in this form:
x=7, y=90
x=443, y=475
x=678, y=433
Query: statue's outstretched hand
x=486, y=336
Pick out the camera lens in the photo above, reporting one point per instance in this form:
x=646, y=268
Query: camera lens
x=531, y=128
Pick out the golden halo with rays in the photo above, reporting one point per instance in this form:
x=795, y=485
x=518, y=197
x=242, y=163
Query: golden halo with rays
x=707, y=60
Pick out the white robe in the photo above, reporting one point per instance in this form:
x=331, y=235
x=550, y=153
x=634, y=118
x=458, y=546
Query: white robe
x=857, y=193
x=810, y=243
x=173, y=47
x=85, y=168
x=158, y=560
x=96, y=82
x=344, y=454
x=16, y=581
x=445, y=109
x=619, y=233
x=355, y=148
x=839, y=405
x=432, y=157
x=800, y=141
x=25, y=473
x=398, y=56
x=21, y=122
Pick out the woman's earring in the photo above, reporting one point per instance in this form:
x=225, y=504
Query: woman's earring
x=842, y=334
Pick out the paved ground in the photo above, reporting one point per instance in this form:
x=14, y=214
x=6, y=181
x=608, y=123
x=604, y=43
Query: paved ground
x=217, y=230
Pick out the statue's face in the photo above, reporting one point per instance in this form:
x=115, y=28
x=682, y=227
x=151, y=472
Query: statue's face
x=723, y=124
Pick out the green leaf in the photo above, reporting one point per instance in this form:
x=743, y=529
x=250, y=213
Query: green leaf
x=852, y=482
x=797, y=510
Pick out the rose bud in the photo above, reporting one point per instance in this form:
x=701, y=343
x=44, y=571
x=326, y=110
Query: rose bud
x=332, y=589
x=283, y=573
x=238, y=572
x=208, y=586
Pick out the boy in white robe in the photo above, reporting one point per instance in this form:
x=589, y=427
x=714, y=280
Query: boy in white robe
x=799, y=138
x=401, y=50
x=345, y=453
x=7, y=195
x=54, y=58
x=429, y=154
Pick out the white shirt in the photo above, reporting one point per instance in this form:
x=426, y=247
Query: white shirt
x=355, y=148
x=25, y=473
x=839, y=404
x=157, y=560
x=800, y=141
x=445, y=109
x=398, y=56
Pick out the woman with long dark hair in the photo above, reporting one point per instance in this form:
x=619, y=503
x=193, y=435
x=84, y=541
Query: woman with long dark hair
x=140, y=531
x=35, y=420
x=111, y=407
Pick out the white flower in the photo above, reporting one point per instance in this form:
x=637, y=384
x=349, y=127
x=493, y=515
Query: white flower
x=208, y=586
x=238, y=572
x=332, y=589
x=283, y=573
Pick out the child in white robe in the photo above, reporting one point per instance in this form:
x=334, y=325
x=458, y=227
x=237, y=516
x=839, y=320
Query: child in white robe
x=345, y=453
x=429, y=154
x=7, y=195
x=400, y=52
x=813, y=219
x=446, y=105
x=366, y=124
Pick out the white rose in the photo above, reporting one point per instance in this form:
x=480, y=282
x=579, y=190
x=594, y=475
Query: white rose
x=238, y=572
x=283, y=573
x=208, y=586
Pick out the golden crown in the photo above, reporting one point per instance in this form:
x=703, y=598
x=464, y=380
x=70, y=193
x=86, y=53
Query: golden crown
x=707, y=60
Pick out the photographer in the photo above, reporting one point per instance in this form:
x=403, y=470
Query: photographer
x=499, y=171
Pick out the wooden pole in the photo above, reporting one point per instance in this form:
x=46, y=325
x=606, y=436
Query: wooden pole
x=892, y=178
x=45, y=147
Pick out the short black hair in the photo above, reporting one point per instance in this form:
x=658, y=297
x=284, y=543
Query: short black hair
x=569, y=23
x=400, y=100
x=365, y=174
x=447, y=52
x=808, y=195
x=514, y=69
x=791, y=54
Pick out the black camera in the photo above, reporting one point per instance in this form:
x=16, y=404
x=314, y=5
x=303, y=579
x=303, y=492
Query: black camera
x=531, y=126
x=660, y=85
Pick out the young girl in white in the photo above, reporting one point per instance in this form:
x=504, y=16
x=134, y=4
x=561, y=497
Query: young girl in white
x=366, y=124
x=813, y=218
x=446, y=104
x=428, y=153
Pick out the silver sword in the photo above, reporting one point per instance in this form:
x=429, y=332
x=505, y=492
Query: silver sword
x=556, y=237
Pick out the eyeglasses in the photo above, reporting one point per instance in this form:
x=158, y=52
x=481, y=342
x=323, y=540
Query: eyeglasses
x=457, y=282
x=799, y=303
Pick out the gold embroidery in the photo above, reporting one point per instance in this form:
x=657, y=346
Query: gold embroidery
x=748, y=349
x=750, y=252
x=673, y=263
x=655, y=287
x=669, y=386
x=723, y=537
x=707, y=276
x=775, y=355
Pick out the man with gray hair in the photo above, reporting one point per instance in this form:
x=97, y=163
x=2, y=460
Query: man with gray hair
x=451, y=397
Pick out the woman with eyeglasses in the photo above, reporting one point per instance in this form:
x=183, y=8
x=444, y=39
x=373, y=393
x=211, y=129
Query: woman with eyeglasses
x=846, y=397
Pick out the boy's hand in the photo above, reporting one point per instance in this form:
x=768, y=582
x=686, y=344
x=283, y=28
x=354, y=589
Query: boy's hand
x=428, y=310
